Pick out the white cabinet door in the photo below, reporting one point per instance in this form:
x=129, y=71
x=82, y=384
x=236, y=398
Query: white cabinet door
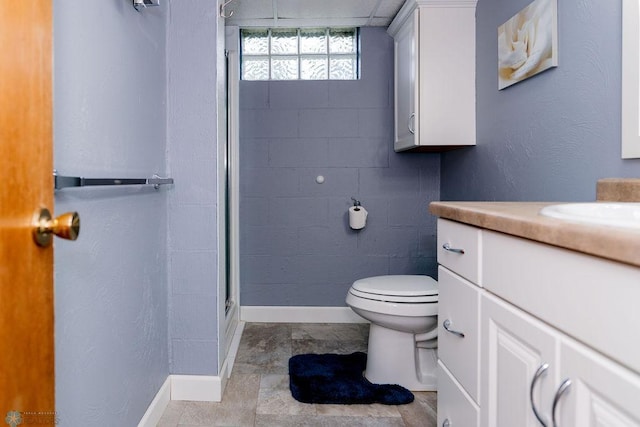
x=406, y=72
x=602, y=393
x=514, y=347
x=447, y=77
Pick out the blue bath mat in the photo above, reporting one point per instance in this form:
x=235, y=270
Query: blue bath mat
x=338, y=379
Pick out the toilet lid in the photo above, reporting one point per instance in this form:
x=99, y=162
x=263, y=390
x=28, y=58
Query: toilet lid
x=399, y=286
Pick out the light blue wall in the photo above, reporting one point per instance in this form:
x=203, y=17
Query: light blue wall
x=192, y=150
x=552, y=136
x=137, y=294
x=111, y=324
x=296, y=246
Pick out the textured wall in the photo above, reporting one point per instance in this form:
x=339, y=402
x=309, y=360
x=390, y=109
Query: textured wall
x=552, y=136
x=111, y=284
x=192, y=151
x=296, y=246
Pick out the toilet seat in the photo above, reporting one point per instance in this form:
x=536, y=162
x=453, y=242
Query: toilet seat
x=408, y=289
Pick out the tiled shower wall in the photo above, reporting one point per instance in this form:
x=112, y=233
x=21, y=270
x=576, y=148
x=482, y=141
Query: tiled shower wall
x=296, y=245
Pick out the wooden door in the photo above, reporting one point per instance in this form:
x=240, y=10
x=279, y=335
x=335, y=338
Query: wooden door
x=26, y=164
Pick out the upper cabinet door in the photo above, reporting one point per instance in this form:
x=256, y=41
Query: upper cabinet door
x=406, y=69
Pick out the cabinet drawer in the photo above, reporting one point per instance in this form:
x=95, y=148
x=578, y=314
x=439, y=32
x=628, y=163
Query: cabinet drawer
x=465, y=245
x=459, y=303
x=453, y=403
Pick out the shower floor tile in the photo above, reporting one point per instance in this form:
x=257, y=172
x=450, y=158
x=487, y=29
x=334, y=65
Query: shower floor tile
x=257, y=393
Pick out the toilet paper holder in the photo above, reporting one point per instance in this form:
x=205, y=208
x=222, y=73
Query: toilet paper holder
x=357, y=215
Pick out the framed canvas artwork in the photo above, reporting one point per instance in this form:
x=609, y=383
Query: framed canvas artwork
x=528, y=43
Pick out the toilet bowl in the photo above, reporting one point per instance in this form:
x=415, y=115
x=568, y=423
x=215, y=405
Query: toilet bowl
x=403, y=311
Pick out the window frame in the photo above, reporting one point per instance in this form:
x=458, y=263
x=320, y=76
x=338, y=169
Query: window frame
x=328, y=55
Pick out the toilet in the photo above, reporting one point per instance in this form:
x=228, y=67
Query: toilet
x=403, y=311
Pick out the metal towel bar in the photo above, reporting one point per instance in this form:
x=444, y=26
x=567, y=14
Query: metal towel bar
x=61, y=181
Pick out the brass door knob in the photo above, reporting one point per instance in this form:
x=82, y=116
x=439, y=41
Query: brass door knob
x=66, y=226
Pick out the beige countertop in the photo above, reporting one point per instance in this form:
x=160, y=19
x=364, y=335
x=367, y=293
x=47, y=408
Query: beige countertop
x=522, y=219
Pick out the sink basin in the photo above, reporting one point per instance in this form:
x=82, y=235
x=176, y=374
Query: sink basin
x=618, y=214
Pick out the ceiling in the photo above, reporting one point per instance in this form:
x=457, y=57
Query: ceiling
x=311, y=13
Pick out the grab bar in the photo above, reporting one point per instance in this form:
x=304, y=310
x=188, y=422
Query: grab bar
x=62, y=181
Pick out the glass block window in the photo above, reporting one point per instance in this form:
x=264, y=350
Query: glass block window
x=300, y=54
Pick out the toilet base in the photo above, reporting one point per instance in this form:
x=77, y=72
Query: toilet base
x=393, y=358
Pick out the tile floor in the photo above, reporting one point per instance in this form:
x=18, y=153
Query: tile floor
x=257, y=393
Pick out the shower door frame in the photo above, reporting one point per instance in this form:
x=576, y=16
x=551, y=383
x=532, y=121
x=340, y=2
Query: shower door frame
x=231, y=291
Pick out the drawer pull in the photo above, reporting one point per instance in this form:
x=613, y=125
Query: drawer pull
x=446, y=423
x=447, y=247
x=561, y=390
x=541, y=370
x=446, y=325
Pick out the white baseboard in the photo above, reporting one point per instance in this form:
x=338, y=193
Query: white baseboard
x=157, y=406
x=235, y=344
x=200, y=388
x=279, y=314
x=203, y=388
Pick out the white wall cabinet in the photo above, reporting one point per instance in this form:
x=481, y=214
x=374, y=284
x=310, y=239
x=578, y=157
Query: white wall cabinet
x=533, y=305
x=434, y=75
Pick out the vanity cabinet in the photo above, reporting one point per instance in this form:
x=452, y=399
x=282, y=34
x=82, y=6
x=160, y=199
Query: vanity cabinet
x=434, y=78
x=555, y=339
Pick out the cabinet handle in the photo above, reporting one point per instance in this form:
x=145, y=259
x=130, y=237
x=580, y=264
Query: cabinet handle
x=411, y=130
x=563, y=388
x=446, y=423
x=541, y=370
x=446, y=325
x=447, y=247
